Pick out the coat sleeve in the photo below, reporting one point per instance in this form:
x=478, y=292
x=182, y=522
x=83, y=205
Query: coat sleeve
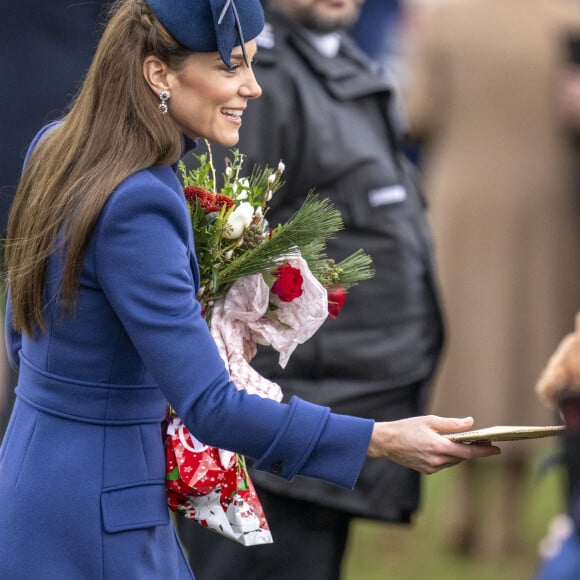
x=143, y=265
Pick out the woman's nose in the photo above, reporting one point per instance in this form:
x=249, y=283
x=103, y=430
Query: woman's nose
x=250, y=89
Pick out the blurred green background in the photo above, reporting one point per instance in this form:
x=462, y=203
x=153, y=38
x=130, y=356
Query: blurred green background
x=423, y=550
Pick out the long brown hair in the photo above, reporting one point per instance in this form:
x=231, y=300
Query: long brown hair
x=112, y=130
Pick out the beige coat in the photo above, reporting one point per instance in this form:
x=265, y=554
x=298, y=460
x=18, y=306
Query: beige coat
x=503, y=184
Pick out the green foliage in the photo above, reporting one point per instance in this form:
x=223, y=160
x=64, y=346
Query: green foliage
x=227, y=252
x=308, y=231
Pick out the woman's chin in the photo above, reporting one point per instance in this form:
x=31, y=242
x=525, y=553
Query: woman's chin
x=228, y=142
x=225, y=139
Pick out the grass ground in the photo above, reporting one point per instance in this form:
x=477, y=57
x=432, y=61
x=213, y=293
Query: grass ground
x=422, y=552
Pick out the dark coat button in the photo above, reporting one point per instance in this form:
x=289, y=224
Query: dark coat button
x=277, y=467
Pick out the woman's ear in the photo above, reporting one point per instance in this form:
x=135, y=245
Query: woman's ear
x=156, y=72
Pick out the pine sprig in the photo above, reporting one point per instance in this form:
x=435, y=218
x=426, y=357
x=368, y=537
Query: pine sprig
x=355, y=268
x=307, y=231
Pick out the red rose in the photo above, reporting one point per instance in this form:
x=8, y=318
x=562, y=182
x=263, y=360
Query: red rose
x=288, y=284
x=336, y=298
x=209, y=202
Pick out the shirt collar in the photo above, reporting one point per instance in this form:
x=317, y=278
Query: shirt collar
x=327, y=44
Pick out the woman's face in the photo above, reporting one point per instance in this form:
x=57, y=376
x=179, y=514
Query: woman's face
x=208, y=98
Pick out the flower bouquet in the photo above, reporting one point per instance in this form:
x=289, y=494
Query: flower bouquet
x=261, y=284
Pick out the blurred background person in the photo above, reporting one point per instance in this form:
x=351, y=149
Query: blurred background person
x=326, y=111
x=501, y=168
x=376, y=30
x=47, y=48
x=569, y=85
x=559, y=388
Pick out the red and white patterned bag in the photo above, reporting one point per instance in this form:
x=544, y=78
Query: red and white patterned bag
x=212, y=487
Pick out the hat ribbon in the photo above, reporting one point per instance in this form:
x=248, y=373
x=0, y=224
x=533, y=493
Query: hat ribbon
x=228, y=4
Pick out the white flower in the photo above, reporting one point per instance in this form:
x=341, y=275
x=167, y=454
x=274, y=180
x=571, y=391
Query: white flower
x=228, y=170
x=239, y=220
x=281, y=167
x=240, y=188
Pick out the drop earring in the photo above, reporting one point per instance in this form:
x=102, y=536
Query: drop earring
x=163, y=97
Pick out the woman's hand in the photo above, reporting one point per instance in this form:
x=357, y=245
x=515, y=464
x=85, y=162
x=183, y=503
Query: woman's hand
x=417, y=443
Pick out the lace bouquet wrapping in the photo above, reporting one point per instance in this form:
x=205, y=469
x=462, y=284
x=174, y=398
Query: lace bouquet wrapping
x=260, y=285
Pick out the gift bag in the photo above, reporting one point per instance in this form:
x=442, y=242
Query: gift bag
x=212, y=487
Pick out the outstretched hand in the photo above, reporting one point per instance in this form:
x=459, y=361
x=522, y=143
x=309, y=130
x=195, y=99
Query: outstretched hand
x=417, y=443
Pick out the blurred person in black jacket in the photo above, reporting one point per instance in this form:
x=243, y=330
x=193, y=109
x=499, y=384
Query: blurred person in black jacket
x=328, y=114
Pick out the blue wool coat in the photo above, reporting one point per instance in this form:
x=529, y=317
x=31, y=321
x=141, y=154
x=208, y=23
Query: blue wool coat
x=82, y=492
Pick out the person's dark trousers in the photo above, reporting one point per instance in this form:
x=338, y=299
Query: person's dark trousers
x=316, y=536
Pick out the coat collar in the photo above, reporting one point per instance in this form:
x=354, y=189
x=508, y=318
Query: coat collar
x=347, y=76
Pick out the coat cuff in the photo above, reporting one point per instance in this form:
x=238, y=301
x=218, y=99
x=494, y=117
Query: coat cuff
x=296, y=440
x=341, y=451
x=317, y=443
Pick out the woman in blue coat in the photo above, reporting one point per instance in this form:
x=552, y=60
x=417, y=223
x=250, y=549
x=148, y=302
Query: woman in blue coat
x=103, y=322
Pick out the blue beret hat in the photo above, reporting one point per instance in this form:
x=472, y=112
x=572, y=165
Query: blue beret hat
x=210, y=25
